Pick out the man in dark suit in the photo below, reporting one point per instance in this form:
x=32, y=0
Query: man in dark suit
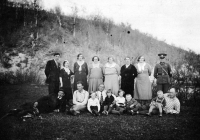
x=52, y=71
x=163, y=74
x=128, y=74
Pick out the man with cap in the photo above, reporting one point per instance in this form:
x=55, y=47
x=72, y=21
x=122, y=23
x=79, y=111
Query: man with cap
x=52, y=71
x=162, y=72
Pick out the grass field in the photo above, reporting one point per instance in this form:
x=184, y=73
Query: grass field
x=62, y=126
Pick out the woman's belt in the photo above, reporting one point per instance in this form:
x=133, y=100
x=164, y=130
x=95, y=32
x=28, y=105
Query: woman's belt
x=111, y=74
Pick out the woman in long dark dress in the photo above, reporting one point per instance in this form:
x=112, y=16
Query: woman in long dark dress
x=80, y=72
x=65, y=80
x=128, y=74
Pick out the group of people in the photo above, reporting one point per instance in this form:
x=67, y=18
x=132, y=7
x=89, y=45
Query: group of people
x=102, y=83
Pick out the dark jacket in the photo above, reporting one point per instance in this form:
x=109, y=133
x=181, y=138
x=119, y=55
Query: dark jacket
x=66, y=78
x=52, y=71
x=109, y=101
x=162, y=70
x=127, y=78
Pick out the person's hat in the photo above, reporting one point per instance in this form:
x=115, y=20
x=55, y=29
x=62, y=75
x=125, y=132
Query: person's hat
x=162, y=55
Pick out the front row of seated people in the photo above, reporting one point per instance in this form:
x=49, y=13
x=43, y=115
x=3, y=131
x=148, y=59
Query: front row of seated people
x=105, y=102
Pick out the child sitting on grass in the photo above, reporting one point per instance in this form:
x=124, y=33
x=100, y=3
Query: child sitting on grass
x=120, y=103
x=93, y=105
x=108, y=103
x=131, y=106
x=157, y=102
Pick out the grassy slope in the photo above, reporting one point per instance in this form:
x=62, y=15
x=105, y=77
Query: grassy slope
x=55, y=125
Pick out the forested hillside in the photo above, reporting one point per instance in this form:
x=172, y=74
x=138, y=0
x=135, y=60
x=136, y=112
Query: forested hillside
x=29, y=35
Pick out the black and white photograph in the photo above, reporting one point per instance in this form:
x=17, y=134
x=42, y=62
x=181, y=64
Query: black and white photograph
x=99, y=69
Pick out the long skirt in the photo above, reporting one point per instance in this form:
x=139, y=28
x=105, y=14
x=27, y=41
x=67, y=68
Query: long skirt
x=143, y=88
x=112, y=82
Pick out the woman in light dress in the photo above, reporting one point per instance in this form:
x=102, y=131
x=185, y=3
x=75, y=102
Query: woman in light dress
x=111, y=73
x=142, y=90
x=95, y=75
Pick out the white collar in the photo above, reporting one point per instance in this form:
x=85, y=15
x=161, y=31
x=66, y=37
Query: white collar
x=110, y=65
x=80, y=62
x=67, y=70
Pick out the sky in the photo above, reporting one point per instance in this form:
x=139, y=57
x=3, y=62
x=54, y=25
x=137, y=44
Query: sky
x=175, y=21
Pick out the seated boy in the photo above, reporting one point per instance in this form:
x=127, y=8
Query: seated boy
x=93, y=105
x=101, y=95
x=157, y=102
x=131, y=106
x=108, y=103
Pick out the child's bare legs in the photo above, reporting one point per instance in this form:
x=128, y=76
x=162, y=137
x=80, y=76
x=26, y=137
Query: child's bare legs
x=151, y=109
x=160, y=108
x=110, y=108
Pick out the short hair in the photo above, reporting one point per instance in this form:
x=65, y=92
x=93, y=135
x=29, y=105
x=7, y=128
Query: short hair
x=140, y=57
x=65, y=62
x=101, y=85
x=109, y=91
x=56, y=54
x=79, y=55
x=79, y=82
x=128, y=95
x=110, y=57
x=120, y=90
x=94, y=57
x=159, y=91
x=92, y=92
x=175, y=90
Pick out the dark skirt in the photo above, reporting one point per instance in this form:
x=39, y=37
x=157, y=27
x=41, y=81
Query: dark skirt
x=80, y=76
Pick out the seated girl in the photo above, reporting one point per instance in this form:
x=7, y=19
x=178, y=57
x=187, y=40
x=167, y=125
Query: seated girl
x=120, y=103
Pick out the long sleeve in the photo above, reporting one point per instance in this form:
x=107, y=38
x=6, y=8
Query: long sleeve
x=85, y=99
x=47, y=68
x=74, y=99
x=88, y=106
x=169, y=70
x=75, y=67
x=134, y=101
x=134, y=71
x=177, y=106
x=155, y=71
x=86, y=67
x=98, y=105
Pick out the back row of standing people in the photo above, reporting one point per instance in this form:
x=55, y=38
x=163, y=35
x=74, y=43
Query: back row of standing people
x=131, y=76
